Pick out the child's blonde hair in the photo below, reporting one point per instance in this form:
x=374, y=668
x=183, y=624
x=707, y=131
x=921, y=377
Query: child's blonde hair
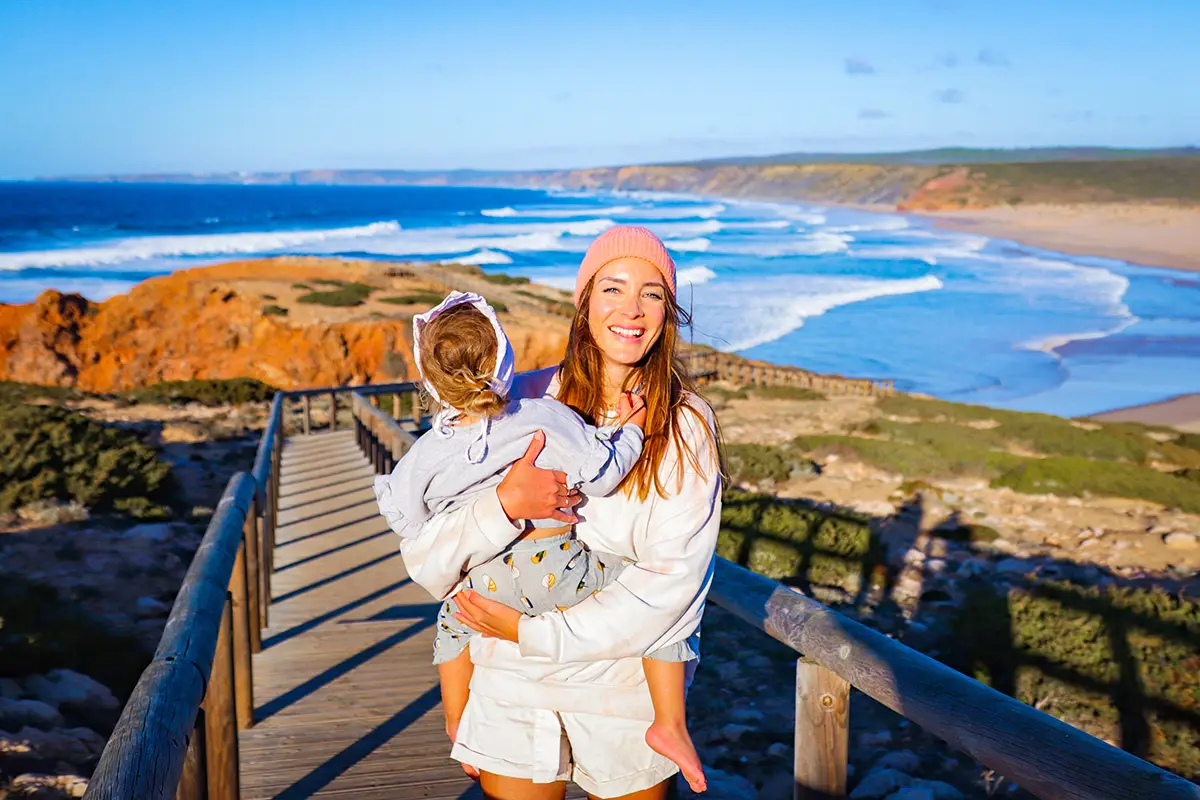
x=458, y=357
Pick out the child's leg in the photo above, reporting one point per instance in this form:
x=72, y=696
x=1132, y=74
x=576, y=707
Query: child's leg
x=455, y=677
x=668, y=735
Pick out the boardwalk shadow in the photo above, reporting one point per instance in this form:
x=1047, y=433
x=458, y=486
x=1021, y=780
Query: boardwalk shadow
x=338, y=764
x=328, y=676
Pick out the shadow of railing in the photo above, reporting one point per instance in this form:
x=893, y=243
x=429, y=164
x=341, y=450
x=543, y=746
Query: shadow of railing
x=1115, y=656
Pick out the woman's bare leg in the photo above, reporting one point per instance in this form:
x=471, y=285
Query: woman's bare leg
x=668, y=735
x=660, y=792
x=502, y=787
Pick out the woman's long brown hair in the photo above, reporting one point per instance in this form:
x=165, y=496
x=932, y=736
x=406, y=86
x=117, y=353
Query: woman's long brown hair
x=663, y=382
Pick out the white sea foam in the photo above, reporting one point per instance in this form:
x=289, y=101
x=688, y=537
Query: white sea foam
x=699, y=211
x=152, y=247
x=883, y=224
x=814, y=244
x=753, y=312
x=684, y=230
x=768, y=224
x=698, y=245
x=482, y=257
x=694, y=276
x=556, y=212
x=950, y=246
x=24, y=290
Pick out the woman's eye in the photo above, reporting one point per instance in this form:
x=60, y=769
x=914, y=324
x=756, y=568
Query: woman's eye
x=654, y=295
x=611, y=289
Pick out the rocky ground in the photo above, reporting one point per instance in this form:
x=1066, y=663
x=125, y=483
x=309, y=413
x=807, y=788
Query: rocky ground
x=53, y=726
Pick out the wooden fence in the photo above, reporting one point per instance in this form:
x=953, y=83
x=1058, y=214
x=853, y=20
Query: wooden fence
x=706, y=365
x=177, y=735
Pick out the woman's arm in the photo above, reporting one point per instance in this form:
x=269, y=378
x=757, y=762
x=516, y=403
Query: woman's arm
x=454, y=541
x=656, y=600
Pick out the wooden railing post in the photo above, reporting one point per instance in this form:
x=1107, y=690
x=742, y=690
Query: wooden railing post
x=193, y=781
x=262, y=520
x=306, y=410
x=333, y=411
x=396, y=412
x=220, y=727
x=416, y=407
x=253, y=598
x=243, y=681
x=822, y=745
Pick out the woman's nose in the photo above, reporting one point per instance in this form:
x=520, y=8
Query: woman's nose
x=632, y=307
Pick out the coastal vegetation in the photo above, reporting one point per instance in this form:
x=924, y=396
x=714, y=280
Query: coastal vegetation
x=53, y=453
x=342, y=294
x=206, y=392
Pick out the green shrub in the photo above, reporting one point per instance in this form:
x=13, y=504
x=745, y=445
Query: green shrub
x=925, y=459
x=208, y=392
x=423, y=297
x=498, y=306
x=1090, y=656
x=764, y=464
x=504, y=280
x=275, y=311
x=563, y=307
x=793, y=542
x=302, y=286
x=1071, y=476
x=723, y=394
x=12, y=392
x=52, y=453
x=40, y=630
x=786, y=393
x=1039, y=433
x=1192, y=475
x=329, y=282
x=347, y=294
x=268, y=297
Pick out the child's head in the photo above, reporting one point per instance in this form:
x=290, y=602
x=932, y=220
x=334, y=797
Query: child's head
x=457, y=352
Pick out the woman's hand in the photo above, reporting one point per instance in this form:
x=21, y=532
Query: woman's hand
x=492, y=619
x=631, y=409
x=529, y=492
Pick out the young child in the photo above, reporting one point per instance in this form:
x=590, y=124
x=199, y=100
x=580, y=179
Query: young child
x=466, y=364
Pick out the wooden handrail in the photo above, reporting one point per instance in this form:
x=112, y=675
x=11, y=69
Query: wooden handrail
x=145, y=756
x=1042, y=754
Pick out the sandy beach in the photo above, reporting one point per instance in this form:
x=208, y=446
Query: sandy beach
x=1181, y=412
x=1148, y=235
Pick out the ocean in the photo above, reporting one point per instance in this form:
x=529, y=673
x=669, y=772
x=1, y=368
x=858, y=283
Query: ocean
x=962, y=317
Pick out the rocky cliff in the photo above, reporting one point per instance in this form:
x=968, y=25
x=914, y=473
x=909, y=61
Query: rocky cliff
x=257, y=319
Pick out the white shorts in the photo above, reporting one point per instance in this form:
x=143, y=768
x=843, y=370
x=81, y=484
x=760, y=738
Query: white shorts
x=606, y=756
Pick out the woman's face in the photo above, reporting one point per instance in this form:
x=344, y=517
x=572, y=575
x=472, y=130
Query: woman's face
x=627, y=310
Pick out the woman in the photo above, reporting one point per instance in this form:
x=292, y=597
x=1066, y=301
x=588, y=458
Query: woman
x=563, y=695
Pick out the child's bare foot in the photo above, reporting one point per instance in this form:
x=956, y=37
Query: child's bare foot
x=673, y=742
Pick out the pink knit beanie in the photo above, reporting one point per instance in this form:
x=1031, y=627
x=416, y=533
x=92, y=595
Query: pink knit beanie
x=621, y=241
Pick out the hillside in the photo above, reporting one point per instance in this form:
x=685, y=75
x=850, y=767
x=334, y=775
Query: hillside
x=289, y=322
x=930, y=180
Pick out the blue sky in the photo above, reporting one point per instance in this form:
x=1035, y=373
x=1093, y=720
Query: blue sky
x=123, y=86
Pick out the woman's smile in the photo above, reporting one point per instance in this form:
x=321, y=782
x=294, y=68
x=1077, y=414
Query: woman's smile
x=627, y=310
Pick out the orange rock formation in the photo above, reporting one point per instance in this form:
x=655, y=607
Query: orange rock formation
x=209, y=323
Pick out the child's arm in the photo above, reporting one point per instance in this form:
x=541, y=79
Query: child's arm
x=614, y=448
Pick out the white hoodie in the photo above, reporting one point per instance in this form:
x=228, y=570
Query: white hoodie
x=588, y=657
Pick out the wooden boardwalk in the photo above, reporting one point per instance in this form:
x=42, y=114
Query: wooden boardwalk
x=346, y=699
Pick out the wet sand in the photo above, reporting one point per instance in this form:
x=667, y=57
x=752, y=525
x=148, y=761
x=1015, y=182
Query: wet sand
x=1181, y=412
x=1148, y=235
